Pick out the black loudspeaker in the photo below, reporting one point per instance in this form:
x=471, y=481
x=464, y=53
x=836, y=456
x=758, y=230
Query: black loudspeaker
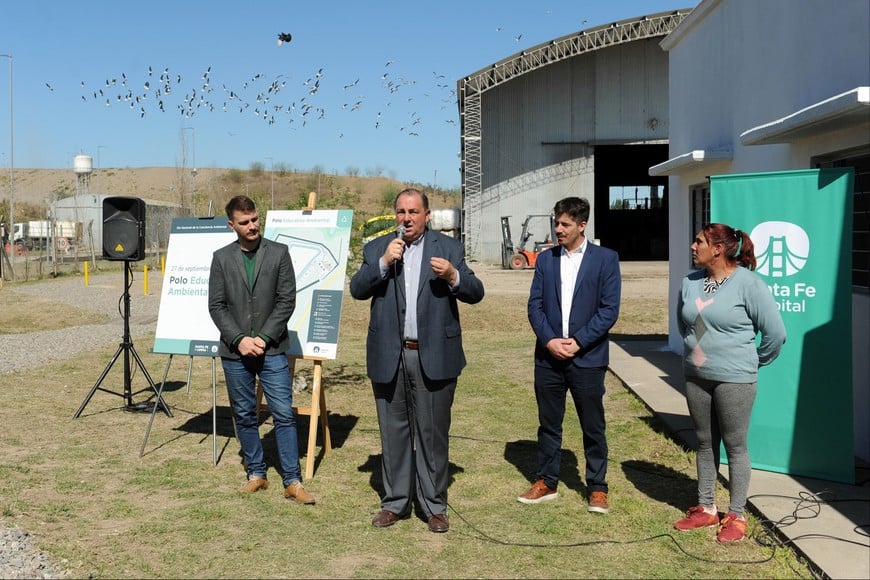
x=123, y=228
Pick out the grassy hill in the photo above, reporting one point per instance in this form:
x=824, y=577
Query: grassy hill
x=207, y=192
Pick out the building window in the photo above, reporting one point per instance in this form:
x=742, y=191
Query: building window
x=700, y=208
x=860, y=162
x=636, y=197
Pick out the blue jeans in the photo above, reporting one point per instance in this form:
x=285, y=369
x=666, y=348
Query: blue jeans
x=274, y=373
x=587, y=389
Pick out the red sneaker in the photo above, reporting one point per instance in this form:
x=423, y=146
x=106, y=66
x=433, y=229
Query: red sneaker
x=732, y=528
x=598, y=502
x=697, y=517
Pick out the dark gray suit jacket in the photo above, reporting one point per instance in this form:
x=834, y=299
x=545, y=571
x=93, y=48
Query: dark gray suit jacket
x=438, y=329
x=263, y=309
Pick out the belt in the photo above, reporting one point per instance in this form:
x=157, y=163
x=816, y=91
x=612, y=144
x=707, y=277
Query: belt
x=411, y=344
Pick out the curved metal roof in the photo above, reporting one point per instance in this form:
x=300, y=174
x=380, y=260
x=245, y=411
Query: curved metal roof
x=471, y=87
x=571, y=45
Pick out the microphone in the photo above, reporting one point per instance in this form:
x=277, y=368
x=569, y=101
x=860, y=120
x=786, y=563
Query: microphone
x=400, y=231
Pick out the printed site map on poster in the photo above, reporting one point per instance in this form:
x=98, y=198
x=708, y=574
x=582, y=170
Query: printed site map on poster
x=318, y=242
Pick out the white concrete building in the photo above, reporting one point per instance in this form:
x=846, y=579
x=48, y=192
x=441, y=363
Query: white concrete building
x=772, y=85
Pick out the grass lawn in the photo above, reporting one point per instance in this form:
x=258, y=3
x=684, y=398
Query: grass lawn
x=80, y=487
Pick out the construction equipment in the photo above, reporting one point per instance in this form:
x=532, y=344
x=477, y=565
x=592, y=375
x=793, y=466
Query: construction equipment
x=539, y=229
x=376, y=227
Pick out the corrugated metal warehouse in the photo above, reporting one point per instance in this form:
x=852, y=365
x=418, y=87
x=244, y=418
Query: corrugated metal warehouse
x=585, y=114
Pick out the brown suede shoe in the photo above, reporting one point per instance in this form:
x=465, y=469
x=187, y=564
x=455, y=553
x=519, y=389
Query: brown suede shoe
x=537, y=493
x=255, y=484
x=297, y=493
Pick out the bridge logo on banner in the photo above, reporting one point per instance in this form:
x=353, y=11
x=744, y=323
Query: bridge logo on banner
x=782, y=248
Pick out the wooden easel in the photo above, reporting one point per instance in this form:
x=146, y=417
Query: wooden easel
x=317, y=411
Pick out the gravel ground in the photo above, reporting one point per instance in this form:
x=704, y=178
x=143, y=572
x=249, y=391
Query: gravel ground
x=103, y=297
x=19, y=558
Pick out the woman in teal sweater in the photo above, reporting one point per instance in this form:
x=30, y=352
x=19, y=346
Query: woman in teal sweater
x=721, y=309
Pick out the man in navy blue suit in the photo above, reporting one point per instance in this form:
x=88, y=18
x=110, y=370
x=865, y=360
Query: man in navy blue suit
x=573, y=304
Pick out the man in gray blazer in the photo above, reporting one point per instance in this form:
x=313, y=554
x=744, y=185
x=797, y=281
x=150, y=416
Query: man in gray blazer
x=251, y=295
x=414, y=355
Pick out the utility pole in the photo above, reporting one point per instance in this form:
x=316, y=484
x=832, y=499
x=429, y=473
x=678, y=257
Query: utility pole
x=184, y=164
x=272, y=179
x=11, y=157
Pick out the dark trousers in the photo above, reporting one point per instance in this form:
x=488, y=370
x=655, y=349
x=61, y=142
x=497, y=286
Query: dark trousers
x=587, y=389
x=418, y=461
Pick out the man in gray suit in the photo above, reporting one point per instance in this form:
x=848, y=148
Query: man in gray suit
x=251, y=295
x=414, y=355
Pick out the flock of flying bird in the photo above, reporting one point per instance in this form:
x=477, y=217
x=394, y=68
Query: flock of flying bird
x=271, y=100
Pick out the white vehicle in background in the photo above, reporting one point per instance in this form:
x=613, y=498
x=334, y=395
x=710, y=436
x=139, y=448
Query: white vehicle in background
x=41, y=234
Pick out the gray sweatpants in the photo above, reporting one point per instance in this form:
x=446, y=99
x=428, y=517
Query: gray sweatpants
x=721, y=412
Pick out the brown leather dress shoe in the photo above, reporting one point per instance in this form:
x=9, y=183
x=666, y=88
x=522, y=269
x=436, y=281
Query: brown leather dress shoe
x=438, y=523
x=297, y=493
x=385, y=519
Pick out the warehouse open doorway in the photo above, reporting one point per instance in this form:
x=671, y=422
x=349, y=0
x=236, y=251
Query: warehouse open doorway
x=631, y=206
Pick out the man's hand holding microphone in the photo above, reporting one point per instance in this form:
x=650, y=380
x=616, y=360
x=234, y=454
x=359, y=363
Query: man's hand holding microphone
x=440, y=267
x=395, y=248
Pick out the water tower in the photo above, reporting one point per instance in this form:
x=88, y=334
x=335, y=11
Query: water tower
x=83, y=166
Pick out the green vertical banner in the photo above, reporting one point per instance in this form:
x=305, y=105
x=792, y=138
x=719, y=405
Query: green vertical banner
x=800, y=223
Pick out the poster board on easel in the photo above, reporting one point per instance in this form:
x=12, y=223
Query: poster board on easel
x=184, y=326
x=318, y=243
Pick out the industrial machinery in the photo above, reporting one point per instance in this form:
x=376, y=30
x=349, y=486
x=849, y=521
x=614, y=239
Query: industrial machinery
x=538, y=231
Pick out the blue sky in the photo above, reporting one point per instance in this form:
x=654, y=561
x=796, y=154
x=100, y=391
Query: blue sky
x=369, y=86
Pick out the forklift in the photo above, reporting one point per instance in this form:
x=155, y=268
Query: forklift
x=540, y=229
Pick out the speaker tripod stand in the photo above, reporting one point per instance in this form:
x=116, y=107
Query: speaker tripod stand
x=126, y=347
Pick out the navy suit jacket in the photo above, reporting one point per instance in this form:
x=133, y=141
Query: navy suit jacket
x=264, y=309
x=594, y=307
x=438, y=330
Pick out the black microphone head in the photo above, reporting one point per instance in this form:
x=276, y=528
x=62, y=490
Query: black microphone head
x=400, y=231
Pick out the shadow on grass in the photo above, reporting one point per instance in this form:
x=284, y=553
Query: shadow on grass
x=202, y=423
x=523, y=455
x=170, y=387
x=661, y=483
x=340, y=428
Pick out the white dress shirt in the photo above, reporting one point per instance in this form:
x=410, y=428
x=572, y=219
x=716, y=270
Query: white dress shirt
x=570, y=267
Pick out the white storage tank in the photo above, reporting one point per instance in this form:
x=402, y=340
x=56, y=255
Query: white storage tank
x=83, y=164
x=445, y=220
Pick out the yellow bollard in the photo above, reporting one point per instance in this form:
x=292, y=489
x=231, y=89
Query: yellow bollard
x=145, y=280
x=87, y=277
x=162, y=266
